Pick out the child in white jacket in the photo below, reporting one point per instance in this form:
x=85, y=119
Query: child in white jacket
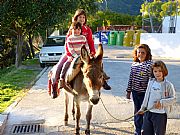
x=159, y=97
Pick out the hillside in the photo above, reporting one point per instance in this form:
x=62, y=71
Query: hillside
x=131, y=7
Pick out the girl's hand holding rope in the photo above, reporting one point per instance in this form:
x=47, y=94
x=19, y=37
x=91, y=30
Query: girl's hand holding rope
x=140, y=112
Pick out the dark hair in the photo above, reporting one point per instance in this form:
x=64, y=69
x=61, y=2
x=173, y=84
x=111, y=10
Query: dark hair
x=162, y=65
x=147, y=49
x=74, y=25
x=78, y=13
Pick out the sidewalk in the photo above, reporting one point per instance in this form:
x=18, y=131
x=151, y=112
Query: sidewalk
x=5, y=114
x=38, y=108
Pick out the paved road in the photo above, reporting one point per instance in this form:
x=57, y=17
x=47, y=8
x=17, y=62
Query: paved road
x=38, y=107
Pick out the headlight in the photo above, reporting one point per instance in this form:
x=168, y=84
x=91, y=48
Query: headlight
x=43, y=54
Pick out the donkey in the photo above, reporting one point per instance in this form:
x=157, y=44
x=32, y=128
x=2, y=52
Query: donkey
x=86, y=87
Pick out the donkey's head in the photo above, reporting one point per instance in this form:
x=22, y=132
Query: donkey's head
x=93, y=73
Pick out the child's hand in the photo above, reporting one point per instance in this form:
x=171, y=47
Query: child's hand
x=128, y=95
x=157, y=105
x=70, y=58
x=140, y=112
x=91, y=55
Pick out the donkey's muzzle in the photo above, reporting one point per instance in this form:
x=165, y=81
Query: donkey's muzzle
x=94, y=100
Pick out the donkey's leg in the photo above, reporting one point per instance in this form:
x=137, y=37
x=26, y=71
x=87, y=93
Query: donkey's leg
x=73, y=110
x=78, y=115
x=88, y=119
x=66, y=109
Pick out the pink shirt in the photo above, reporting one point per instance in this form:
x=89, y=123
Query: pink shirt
x=86, y=31
x=74, y=44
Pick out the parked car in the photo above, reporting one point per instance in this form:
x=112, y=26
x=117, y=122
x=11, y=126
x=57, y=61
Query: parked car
x=52, y=50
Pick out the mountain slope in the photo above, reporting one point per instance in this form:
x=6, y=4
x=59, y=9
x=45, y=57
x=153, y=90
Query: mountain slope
x=131, y=7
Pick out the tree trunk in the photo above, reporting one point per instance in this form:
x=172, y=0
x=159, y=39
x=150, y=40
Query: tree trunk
x=30, y=43
x=19, y=49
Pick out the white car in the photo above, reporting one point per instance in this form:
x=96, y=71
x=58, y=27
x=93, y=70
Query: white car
x=52, y=50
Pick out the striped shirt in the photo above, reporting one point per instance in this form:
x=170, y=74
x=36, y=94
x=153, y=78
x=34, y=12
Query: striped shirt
x=139, y=76
x=74, y=44
x=86, y=31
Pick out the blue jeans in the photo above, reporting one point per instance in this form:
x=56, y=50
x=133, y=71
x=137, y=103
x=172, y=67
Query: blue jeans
x=138, y=98
x=154, y=123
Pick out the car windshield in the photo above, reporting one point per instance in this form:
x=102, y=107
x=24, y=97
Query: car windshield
x=55, y=41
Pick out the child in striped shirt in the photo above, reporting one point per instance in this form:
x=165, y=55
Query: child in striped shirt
x=74, y=43
x=138, y=80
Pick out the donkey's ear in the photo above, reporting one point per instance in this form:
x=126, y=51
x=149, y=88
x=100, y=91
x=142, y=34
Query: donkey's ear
x=99, y=53
x=84, y=55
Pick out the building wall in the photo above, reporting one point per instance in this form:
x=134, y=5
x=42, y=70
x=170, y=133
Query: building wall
x=163, y=44
x=166, y=24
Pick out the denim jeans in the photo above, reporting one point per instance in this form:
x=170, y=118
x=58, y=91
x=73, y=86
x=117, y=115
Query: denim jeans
x=154, y=123
x=138, y=119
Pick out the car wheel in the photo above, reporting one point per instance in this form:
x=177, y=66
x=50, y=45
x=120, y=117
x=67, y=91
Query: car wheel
x=42, y=65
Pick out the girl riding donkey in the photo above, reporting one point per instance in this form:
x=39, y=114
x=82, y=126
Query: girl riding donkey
x=74, y=43
x=80, y=16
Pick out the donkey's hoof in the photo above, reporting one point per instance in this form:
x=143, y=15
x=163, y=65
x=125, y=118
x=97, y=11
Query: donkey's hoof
x=65, y=123
x=77, y=131
x=87, y=132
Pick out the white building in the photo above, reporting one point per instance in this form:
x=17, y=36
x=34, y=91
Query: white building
x=171, y=22
x=164, y=44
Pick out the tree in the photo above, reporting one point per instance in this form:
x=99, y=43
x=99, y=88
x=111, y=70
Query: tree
x=19, y=17
x=169, y=8
x=108, y=18
x=157, y=10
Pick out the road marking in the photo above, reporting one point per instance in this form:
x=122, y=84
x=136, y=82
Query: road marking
x=117, y=61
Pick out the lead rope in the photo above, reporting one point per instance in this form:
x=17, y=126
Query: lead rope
x=117, y=118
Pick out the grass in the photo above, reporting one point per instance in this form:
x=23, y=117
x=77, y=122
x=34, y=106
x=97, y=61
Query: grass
x=15, y=82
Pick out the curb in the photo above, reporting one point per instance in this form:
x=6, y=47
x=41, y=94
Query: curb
x=3, y=120
x=5, y=114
